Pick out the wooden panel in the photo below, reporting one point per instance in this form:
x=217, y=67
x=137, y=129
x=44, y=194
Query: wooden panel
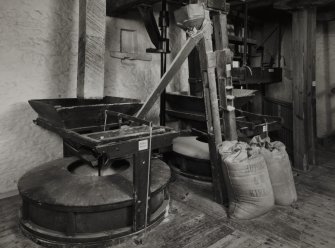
x=128, y=41
x=91, y=54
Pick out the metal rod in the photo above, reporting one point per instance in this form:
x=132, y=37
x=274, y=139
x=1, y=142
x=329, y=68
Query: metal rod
x=163, y=27
x=279, y=43
x=245, y=35
x=163, y=95
x=148, y=178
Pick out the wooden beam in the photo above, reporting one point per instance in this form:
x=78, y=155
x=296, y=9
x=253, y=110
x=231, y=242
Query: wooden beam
x=326, y=14
x=91, y=54
x=169, y=74
x=304, y=45
x=150, y=23
x=225, y=84
x=115, y=7
x=208, y=66
x=252, y=3
x=298, y=4
x=281, y=4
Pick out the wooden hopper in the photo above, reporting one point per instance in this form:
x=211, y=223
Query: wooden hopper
x=190, y=16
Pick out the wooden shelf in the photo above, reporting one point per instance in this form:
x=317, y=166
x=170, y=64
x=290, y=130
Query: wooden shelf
x=239, y=40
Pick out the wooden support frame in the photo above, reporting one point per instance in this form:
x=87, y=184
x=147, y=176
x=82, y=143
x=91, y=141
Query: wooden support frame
x=304, y=46
x=208, y=66
x=225, y=80
x=91, y=54
x=141, y=186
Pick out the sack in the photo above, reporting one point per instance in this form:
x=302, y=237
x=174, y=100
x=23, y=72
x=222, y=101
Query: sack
x=280, y=171
x=225, y=149
x=250, y=188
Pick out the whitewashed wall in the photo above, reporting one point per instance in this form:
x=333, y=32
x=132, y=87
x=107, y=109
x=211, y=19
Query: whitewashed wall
x=137, y=78
x=38, y=59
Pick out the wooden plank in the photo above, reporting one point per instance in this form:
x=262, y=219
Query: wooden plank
x=219, y=189
x=304, y=42
x=169, y=74
x=115, y=7
x=120, y=149
x=208, y=66
x=123, y=134
x=311, y=86
x=225, y=83
x=220, y=31
x=141, y=187
x=296, y=4
x=91, y=54
x=282, y=4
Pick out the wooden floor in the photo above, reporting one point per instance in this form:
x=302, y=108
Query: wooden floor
x=195, y=221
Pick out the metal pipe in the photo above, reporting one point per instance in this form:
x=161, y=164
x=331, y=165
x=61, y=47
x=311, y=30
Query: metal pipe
x=163, y=23
x=245, y=35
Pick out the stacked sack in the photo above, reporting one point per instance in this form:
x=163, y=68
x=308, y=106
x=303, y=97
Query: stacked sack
x=248, y=184
x=279, y=168
x=257, y=175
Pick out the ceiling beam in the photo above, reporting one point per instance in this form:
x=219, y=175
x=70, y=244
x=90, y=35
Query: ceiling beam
x=326, y=14
x=297, y=4
x=281, y=4
x=117, y=6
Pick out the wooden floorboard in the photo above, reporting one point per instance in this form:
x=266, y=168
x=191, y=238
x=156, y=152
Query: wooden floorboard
x=195, y=221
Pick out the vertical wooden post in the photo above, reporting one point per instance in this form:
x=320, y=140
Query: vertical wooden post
x=141, y=184
x=304, y=42
x=208, y=65
x=91, y=54
x=225, y=81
